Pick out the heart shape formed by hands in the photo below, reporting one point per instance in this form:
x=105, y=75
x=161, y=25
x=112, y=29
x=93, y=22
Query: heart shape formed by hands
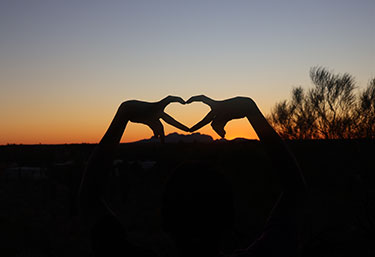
x=220, y=114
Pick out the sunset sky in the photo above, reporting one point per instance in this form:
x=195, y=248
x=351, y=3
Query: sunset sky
x=65, y=66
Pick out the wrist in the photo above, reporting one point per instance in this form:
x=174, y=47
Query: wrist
x=123, y=110
x=251, y=108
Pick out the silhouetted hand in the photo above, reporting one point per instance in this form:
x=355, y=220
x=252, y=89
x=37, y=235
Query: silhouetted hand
x=151, y=113
x=222, y=111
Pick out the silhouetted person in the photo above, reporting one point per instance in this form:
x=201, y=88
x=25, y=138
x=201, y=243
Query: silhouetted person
x=197, y=204
x=108, y=236
x=197, y=207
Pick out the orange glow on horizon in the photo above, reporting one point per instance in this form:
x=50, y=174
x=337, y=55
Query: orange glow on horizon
x=235, y=129
x=55, y=126
x=133, y=132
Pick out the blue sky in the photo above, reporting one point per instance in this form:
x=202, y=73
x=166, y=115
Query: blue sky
x=77, y=60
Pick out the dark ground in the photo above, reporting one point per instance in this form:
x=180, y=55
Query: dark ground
x=38, y=216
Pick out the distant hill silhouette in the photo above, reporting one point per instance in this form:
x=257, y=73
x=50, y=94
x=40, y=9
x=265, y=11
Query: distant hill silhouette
x=191, y=138
x=176, y=138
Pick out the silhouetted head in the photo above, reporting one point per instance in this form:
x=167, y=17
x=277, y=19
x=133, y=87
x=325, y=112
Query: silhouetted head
x=197, y=207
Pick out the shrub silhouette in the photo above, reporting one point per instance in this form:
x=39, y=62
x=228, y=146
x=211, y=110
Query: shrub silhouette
x=366, y=112
x=329, y=110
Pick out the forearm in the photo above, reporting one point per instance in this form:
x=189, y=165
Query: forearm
x=282, y=158
x=288, y=208
x=114, y=133
x=96, y=174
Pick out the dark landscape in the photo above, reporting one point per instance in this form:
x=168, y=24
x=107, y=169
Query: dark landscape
x=39, y=185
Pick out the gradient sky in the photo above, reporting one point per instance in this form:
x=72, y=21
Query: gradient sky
x=65, y=66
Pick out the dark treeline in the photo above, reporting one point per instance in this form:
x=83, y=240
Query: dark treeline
x=330, y=110
x=39, y=217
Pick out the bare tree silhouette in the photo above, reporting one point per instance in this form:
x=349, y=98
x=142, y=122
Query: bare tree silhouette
x=366, y=111
x=329, y=110
x=294, y=119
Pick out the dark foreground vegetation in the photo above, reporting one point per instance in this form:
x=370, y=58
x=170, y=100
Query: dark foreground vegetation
x=38, y=187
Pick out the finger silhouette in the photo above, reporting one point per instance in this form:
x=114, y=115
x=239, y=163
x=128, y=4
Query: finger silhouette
x=171, y=99
x=201, y=98
x=209, y=117
x=219, y=123
x=171, y=121
x=157, y=129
